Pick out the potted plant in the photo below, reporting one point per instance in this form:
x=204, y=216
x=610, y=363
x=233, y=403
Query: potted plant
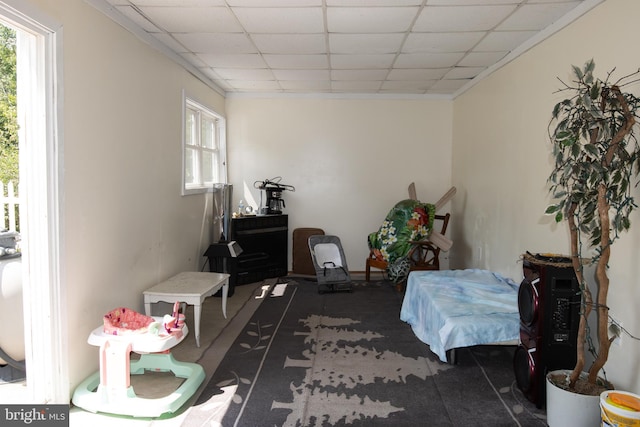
x=596, y=157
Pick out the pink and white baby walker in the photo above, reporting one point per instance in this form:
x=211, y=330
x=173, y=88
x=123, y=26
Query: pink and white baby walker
x=123, y=331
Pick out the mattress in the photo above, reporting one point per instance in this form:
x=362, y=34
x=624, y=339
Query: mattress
x=450, y=309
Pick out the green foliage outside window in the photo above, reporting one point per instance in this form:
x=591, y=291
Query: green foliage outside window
x=8, y=115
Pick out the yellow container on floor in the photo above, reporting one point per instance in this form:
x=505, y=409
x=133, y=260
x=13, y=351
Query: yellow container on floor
x=617, y=415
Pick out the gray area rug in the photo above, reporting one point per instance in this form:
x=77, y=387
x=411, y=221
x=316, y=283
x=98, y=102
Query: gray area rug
x=305, y=359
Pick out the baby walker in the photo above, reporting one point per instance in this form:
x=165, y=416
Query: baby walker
x=122, y=332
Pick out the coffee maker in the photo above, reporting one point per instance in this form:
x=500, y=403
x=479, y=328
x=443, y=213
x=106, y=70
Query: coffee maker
x=273, y=190
x=275, y=203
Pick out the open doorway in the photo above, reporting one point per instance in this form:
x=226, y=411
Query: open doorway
x=12, y=354
x=38, y=40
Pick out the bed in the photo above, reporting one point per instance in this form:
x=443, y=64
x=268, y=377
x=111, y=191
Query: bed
x=451, y=309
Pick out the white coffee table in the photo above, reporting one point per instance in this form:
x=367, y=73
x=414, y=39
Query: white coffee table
x=189, y=288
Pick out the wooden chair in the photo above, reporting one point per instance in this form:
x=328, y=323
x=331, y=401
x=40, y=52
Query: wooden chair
x=423, y=256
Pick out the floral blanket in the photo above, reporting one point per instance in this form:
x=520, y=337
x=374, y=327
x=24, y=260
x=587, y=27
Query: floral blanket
x=409, y=220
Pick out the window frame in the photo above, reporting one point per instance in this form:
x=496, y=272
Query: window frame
x=202, y=186
x=40, y=117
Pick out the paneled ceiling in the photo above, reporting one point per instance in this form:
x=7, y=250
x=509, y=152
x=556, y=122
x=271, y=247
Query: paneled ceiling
x=410, y=47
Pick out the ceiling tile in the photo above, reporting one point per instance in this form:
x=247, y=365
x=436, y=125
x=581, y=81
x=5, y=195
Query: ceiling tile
x=428, y=60
x=291, y=20
x=355, y=62
x=209, y=72
x=500, y=41
x=374, y=2
x=233, y=60
x=481, y=59
x=356, y=86
x=463, y=72
x=441, y=42
x=193, y=59
x=274, y=3
x=254, y=85
x=222, y=83
x=365, y=43
x=288, y=44
x=244, y=74
x=418, y=85
x=216, y=43
x=174, y=2
x=370, y=19
x=471, y=2
x=301, y=74
x=170, y=42
x=297, y=61
x=536, y=16
x=461, y=18
x=306, y=85
x=417, y=74
x=140, y=20
x=377, y=75
x=193, y=19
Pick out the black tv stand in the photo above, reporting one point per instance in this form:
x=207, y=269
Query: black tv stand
x=263, y=239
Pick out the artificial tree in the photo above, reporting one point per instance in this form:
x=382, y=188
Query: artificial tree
x=596, y=158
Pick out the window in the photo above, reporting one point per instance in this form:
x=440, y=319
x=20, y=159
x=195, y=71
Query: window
x=204, y=143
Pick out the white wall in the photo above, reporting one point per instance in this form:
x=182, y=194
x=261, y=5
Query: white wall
x=125, y=224
x=350, y=160
x=501, y=161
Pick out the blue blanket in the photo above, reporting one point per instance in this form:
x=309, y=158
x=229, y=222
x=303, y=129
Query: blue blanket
x=449, y=309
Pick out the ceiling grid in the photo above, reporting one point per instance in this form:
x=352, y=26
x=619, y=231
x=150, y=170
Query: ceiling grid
x=412, y=47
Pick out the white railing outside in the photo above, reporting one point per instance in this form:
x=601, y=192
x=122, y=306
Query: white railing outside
x=8, y=199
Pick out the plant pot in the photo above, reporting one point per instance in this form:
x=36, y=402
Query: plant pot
x=568, y=409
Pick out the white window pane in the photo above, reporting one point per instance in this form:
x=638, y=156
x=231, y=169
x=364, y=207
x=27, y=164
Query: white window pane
x=191, y=127
x=190, y=166
x=207, y=166
x=208, y=132
x=217, y=167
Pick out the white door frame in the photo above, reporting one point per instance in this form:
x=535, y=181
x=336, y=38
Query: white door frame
x=39, y=48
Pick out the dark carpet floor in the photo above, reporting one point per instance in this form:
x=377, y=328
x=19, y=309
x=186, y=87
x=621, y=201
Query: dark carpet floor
x=306, y=359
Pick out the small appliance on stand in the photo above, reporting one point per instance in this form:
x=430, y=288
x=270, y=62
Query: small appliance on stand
x=273, y=191
x=221, y=200
x=222, y=252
